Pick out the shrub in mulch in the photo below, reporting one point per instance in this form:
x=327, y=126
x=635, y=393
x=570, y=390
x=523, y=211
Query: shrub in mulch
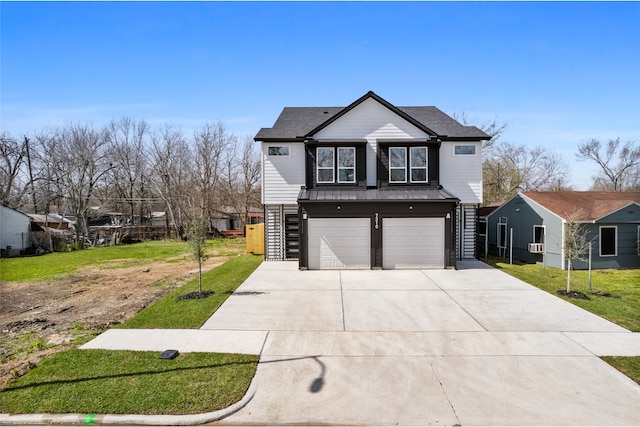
x=573, y=294
x=196, y=295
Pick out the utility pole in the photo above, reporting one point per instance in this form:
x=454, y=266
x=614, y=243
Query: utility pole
x=33, y=190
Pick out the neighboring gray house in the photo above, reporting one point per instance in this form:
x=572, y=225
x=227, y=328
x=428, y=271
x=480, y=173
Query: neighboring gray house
x=611, y=219
x=15, y=232
x=370, y=185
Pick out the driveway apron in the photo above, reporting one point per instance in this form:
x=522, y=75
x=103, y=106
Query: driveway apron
x=472, y=346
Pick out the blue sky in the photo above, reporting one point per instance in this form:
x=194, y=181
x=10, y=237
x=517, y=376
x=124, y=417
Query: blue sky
x=557, y=73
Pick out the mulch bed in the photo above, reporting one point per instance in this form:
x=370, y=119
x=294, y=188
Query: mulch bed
x=573, y=294
x=196, y=295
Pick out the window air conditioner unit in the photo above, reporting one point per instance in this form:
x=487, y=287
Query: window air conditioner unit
x=536, y=248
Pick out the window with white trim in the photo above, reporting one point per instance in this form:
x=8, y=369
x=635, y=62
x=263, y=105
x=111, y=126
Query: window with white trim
x=325, y=165
x=346, y=164
x=608, y=241
x=415, y=166
x=538, y=233
x=418, y=163
x=397, y=164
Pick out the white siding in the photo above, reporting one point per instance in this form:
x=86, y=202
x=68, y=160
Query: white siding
x=14, y=229
x=462, y=174
x=282, y=176
x=370, y=120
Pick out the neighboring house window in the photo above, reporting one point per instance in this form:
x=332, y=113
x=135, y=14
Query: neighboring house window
x=398, y=164
x=482, y=227
x=538, y=234
x=502, y=235
x=346, y=164
x=608, y=241
x=325, y=165
x=638, y=242
x=278, y=151
x=465, y=150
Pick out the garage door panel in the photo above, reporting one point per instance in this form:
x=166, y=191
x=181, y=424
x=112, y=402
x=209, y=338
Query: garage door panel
x=412, y=243
x=343, y=243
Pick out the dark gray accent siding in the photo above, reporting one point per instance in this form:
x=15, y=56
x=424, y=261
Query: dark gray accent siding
x=361, y=166
x=377, y=212
x=433, y=165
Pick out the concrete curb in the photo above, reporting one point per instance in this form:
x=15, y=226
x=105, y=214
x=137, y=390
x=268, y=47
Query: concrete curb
x=113, y=419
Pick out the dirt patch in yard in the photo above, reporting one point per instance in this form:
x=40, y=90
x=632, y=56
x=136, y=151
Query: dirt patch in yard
x=40, y=318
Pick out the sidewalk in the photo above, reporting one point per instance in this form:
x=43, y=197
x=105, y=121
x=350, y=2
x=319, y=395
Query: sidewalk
x=471, y=347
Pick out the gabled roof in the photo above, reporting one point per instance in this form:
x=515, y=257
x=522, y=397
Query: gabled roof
x=298, y=123
x=590, y=205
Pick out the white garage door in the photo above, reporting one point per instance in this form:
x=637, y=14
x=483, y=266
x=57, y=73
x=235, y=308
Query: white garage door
x=339, y=243
x=412, y=243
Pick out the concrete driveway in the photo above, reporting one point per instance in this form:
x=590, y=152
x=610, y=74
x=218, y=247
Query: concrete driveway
x=435, y=347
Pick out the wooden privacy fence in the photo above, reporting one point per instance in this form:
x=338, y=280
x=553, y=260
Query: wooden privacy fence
x=255, y=239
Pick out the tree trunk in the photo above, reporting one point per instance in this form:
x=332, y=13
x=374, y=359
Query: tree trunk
x=568, y=275
x=200, y=275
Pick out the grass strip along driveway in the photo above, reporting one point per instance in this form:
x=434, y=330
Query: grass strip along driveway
x=121, y=382
x=614, y=295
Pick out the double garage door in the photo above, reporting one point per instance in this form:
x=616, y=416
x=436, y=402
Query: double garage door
x=345, y=243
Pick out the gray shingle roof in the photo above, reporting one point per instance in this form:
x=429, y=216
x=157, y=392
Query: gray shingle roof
x=294, y=123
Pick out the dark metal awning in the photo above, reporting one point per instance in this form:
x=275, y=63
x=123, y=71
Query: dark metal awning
x=377, y=195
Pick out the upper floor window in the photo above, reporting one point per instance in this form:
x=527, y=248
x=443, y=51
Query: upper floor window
x=415, y=168
x=326, y=165
x=418, y=159
x=397, y=164
x=278, y=151
x=464, y=150
x=346, y=164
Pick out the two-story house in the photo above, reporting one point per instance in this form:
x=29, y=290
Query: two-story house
x=370, y=185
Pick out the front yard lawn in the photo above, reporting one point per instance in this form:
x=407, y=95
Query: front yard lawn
x=117, y=382
x=130, y=382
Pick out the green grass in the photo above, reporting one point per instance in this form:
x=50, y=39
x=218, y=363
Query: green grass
x=129, y=382
x=615, y=296
x=630, y=366
x=171, y=313
x=60, y=264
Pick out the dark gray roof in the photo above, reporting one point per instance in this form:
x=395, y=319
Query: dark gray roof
x=377, y=195
x=296, y=123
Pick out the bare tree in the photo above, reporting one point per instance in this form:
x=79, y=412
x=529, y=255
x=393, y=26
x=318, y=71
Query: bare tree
x=619, y=164
x=13, y=185
x=240, y=186
x=197, y=243
x=211, y=146
x=172, y=168
x=512, y=168
x=575, y=243
x=80, y=156
x=127, y=139
x=493, y=128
